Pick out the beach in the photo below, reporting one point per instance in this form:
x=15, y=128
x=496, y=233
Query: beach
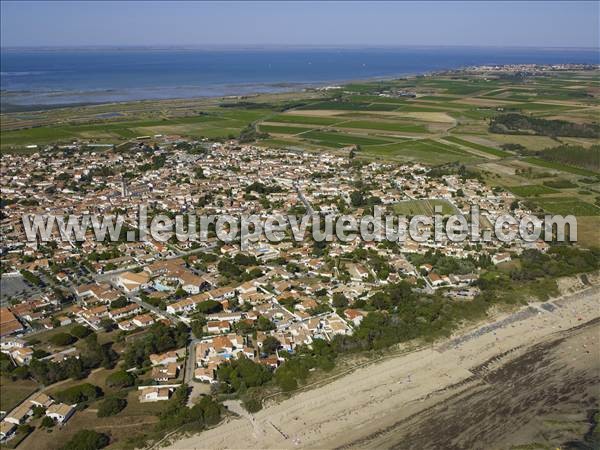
x=481, y=389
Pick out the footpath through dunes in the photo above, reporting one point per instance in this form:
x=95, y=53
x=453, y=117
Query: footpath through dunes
x=477, y=390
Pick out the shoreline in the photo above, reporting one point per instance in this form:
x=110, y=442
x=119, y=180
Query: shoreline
x=223, y=91
x=357, y=408
x=272, y=88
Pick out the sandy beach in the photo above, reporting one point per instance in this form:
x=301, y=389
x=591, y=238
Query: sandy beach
x=481, y=389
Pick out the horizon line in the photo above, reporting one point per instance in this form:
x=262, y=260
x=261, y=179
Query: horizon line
x=281, y=46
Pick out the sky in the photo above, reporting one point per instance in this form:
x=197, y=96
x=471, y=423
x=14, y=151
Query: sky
x=334, y=23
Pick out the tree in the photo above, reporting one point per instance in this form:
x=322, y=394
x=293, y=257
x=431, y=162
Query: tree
x=252, y=404
x=287, y=382
x=87, y=440
x=211, y=410
x=357, y=198
x=198, y=327
x=159, y=339
x=209, y=307
x=62, y=339
x=20, y=373
x=80, y=331
x=38, y=411
x=270, y=344
x=79, y=393
x=119, y=303
x=264, y=324
x=243, y=372
x=111, y=406
x=47, y=422
x=107, y=324
x=120, y=379
x=339, y=300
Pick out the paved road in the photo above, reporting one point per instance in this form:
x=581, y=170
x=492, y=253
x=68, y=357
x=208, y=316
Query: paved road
x=309, y=208
x=154, y=309
x=190, y=361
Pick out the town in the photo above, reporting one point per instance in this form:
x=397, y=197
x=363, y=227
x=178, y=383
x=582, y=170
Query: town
x=287, y=294
x=70, y=300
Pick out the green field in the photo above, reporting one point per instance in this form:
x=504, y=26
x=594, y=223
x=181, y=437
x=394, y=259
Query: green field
x=473, y=145
x=350, y=106
x=122, y=130
x=283, y=129
x=424, y=150
x=559, y=166
x=363, y=113
x=341, y=138
x=386, y=126
x=303, y=120
x=567, y=205
x=423, y=207
x=529, y=190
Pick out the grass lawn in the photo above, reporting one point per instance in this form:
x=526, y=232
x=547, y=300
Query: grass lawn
x=14, y=392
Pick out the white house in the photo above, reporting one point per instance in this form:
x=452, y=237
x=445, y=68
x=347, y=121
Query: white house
x=60, y=412
x=154, y=394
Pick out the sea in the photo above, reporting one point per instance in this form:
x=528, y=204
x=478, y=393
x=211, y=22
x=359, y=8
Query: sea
x=38, y=78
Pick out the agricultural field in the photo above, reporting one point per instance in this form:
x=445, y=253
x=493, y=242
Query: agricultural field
x=445, y=120
x=530, y=190
x=566, y=205
x=475, y=146
x=559, y=167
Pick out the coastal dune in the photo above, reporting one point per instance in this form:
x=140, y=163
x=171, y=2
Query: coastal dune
x=481, y=389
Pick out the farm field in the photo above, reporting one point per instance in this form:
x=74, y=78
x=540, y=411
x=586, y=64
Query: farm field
x=424, y=207
x=446, y=121
x=473, y=145
x=559, y=167
x=529, y=190
x=567, y=205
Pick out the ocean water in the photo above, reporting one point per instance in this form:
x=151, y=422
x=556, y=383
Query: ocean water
x=61, y=77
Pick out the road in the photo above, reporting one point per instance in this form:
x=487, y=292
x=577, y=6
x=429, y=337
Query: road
x=309, y=208
x=132, y=298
